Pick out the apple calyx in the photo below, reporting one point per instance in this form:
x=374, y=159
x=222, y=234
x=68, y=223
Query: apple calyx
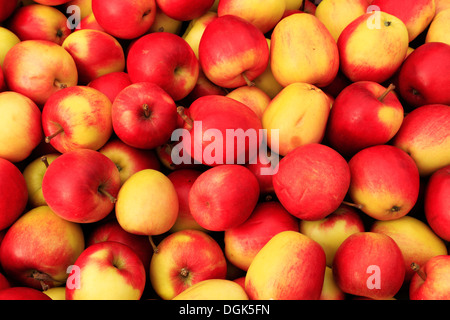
x=184, y=272
x=59, y=84
x=50, y=137
x=43, y=278
x=45, y=161
x=106, y=193
x=186, y=119
x=417, y=269
x=59, y=33
x=146, y=13
x=385, y=93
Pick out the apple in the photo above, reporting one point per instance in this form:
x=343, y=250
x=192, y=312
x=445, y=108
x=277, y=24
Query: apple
x=213, y=289
x=243, y=242
x=110, y=15
x=20, y=126
x=52, y=2
x=173, y=271
x=164, y=154
x=39, y=68
x=107, y=270
x=436, y=204
x=309, y=6
x=182, y=180
x=439, y=30
x=263, y=14
x=106, y=54
x=34, y=174
x=203, y=87
x=194, y=30
x=40, y=259
x=312, y=181
x=147, y=203
x=7, y=40
x=77, y=117
x=424, y=136
x=2, y=81
x=128, y=159
x=165, y=59
x=416, y=240
x=264, y=168
x=230, y=61
x=416, y=16
x=144, y=115
x=111, y=83
x=87, y=192
x=164, y=23
x=364, y=114
x=336, y=15
x=330, y=290
x=303, y=50
x=14, y=192
x=253, y=97
x=418, y=75
x=298, y=114
x=89, y=22
x=8, y=8
x=441, y=5
x=4, y=282
x=369, y=264
x=431, y=281
x=332, y=230
x=56, y=293
x=23, y=293
x=183, y=10
x=39, y=22
x=372, y=47
x=223, y=197
x=293, y=4
x=84, y=5
x=290, y=266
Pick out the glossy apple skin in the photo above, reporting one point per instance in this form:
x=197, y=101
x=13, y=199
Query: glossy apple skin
x=52, y=244
x=22, y=293
x=165, y=59
x=359, y=252
x=183, y=259
x=420, y=71
x=312, y=181
x=437, y=206
x=437, y=283
x=223, y=197
x=231, y=47
x=111, y=84
x=15, y=194
x=81, y=199
x=184, y=10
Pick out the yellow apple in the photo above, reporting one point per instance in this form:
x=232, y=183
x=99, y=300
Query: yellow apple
x=195, y=28
x=439, y=30
x=164, y=23
x=213, y=289
x=330, y=290
x=441, y=5
x=56, y=293
x=293, y=4
x=253, y=97
x=7, y=40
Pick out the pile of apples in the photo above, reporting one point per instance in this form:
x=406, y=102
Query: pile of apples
x=354, y=96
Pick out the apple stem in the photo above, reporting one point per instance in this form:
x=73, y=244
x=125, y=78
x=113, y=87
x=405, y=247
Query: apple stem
x=183, y=115
x=106, y=193
x=59, y=84
x=50, y=137
x=45, y=161
x=247, y=80
x=358, y=206
x=146, y=110
x=155, y=248
x=385, y=93
x=416, y=268
x=42, y=278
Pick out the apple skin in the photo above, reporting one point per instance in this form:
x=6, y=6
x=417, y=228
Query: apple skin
x=183, y=259
x=228, y=60
x=39, y=68
x=290, y=266
x=7, y=40
x=363, y=47
x=420, y=71
x=23, y=293
x=437, y=207
x=141, y=128
x=332, y=230
x=437, y=283
x=108, y=270
x=385, y=182
x=42, y=257
x=303, y=50
x=52, y=2
x=89, y=187
x=84, y=5
x=164, y=23
x=129, y=160
x=264, y=169
x=106, y=54
x=330, y=290
x=244, y=241
x=253, y=97
x=111, y=83
x=8, y=8
x=438, y=31
x=14, y=192
x=84, y=115
x=194, y=31
x=147, y=203
x=56, y=293
x=358, y=119
x=312, y=181
x=2, y=81
x=355, y=256
x=4, y=282
x=140, y=16
x=223, y=197
x=424, y=135
x=416, y=240
x=39, y=22
x=89, y=22
x=20, y=126
x=214, y=289
x=183, y=10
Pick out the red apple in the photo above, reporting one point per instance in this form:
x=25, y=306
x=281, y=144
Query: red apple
x=14, y=193
x=2, y=81
x=144, y=115
x=203, y=87
x=264, y=168
x=51, y=2
x=41, y=258
x=89, y=22
x=230, y=61
x=369, y=264
x=111, y=83
x=107, y=270
x=312, y=181
x=4, y=282
x=184, y=10
x=164, y=154
x=165, y=59
x=139, y=15
x=8, y=8
x=223, y=197
x=85, y=193
x=23, y=293
x=422, y=79
x=431, y=281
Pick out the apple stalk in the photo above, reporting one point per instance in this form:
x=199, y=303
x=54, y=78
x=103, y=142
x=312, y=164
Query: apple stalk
x=185, y=118
x=45, y=161
x=50, y=137
x=385, y=93
x=43, y=278
x=417, y=269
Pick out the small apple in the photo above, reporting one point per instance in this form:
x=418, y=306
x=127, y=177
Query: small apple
x=164, y=23
x=439, y=30
x=111, y=83
x=184, y=10
x=431, y=281
x=194, y=31
x=7, y=40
